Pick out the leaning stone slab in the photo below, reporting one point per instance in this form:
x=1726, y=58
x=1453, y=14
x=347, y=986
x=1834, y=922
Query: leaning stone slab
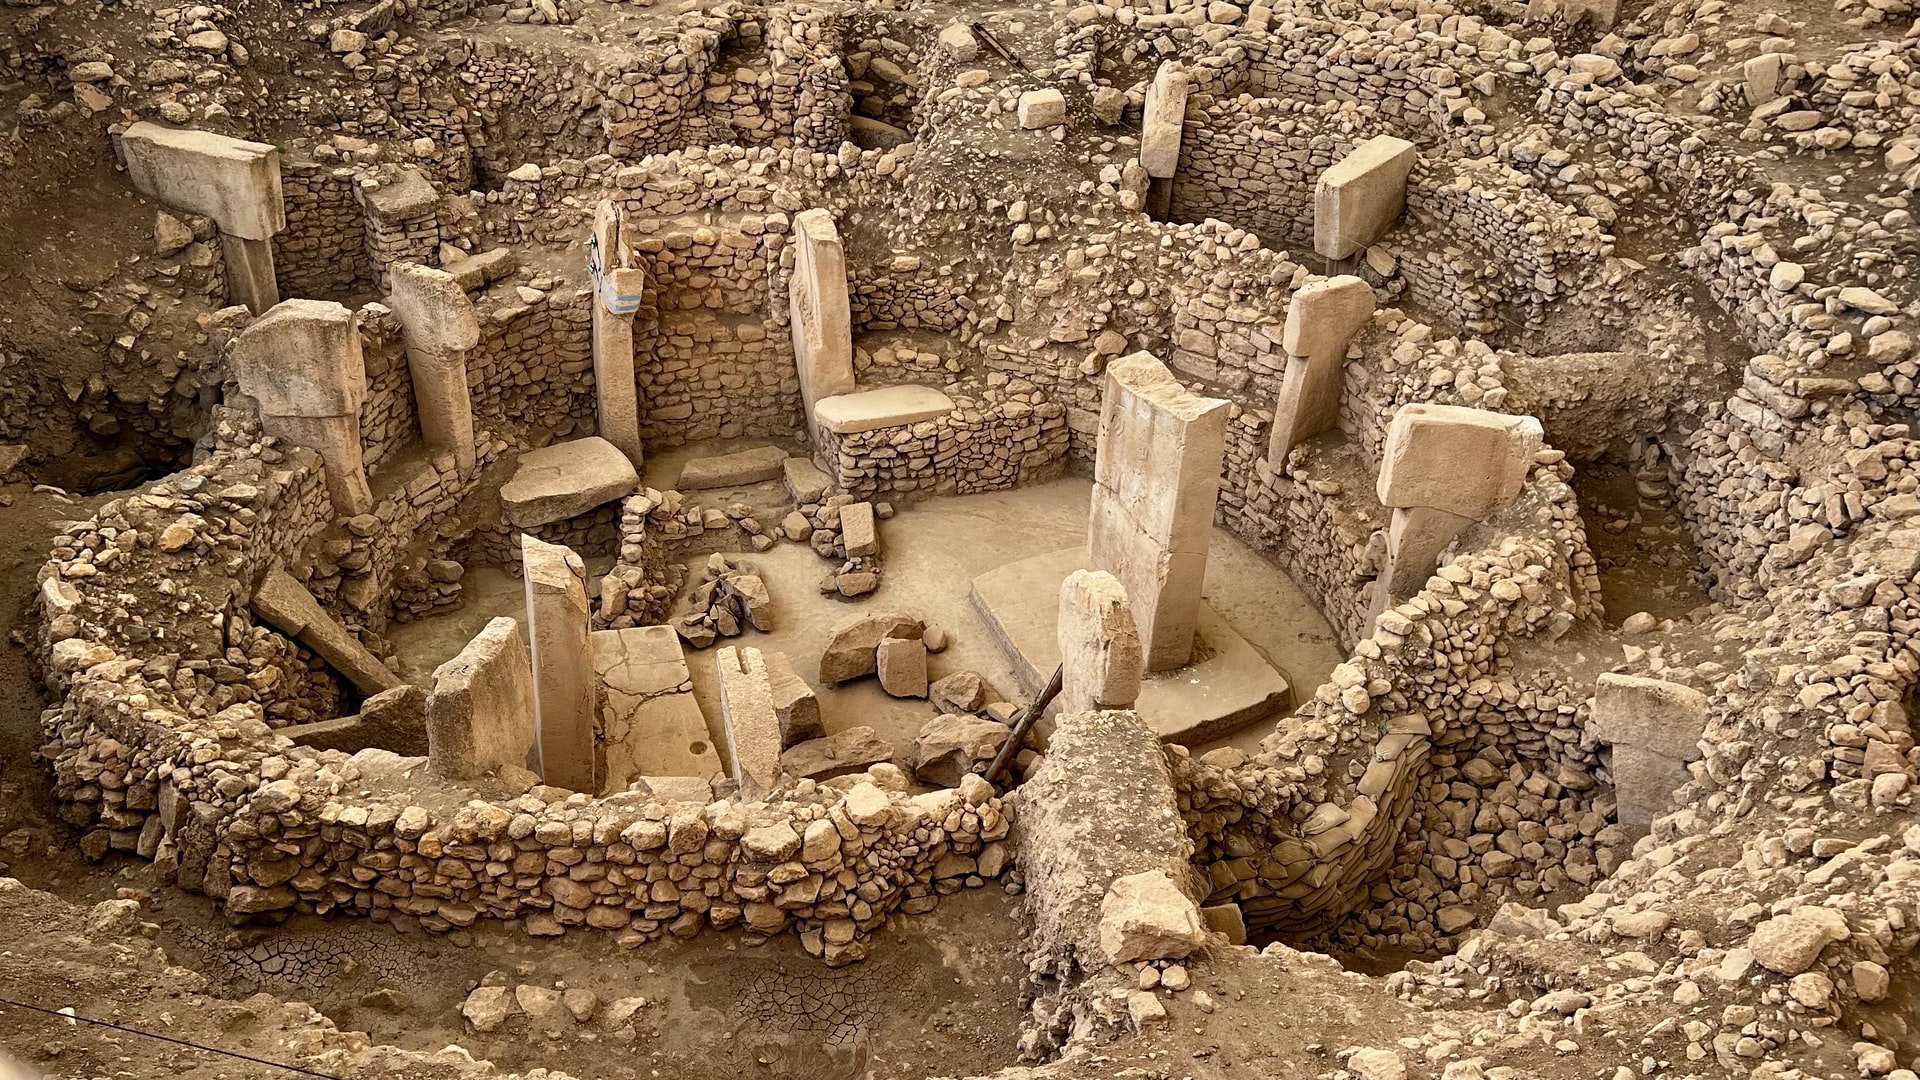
x=1465, y=461
x=650, y=721
x=1362, y=195
x=732, y=470
x=232, y=181
x=1100, y=658
x=480, y=710
x=566, y=479
x=287, y=605
x=890, y=406
x=1163, y=120
x=752, y=727
x=839, y=754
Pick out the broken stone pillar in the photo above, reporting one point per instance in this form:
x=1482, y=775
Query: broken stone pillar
x=1100, y=658
x=1361, y=196
x=565, y=700
x=617, y=290
x=1322, y=320
x=1655, y=728
x=480, y=710
x=1156, y=477
x=1162, y=123
x=301, y=361
x=1442, y=468
x=818, y=307
x=232, y=181
x=749, y=720
x=287, y=606
x=439, y=325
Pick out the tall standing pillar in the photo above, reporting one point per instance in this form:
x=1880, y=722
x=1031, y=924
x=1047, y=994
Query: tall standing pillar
x=1361, y=196
x=233, y=181
x=440, y=326
x=819, y=310
x=1162, y=123
x=565, y=695
x=301, y=361
x=1322, y=319
x=1156, y=478
x=617, y=291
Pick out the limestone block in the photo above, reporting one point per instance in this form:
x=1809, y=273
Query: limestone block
x=1156, y=478
x=650, y=721
x=1469, y=462
x=1163, y=120
x=480, y=710
x=889, y=406
x=565, y=479
x=232, y=181
x=1323, y=316
x=1416, y=535
x=302, y=358
x=751, y=725
x=794, y=702
x=843, y=753
x=806, y=482
x=1042, y=108
x=902, y=666
x=1146, y=916
x=858, y=531
x=287, y=606
x=1322, y=319
x=749, y=466
x=565, y=702
x=1361, y=196
x=1100, y=653
x=849, y=652
x=439, y=325
x=820, y=311
x=950, y=746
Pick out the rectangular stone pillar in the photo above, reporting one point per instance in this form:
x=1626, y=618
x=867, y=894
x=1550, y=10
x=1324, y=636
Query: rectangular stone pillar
x=439, y=325
x=1322, y=319
x=1163, y=120
x=566, y=697
x=1361, y=196
x=480, y=710
x=1442, y=468
x=749, y=720
x=818, y=307
x=301, y=361
x=233, y=181
x=618, y=290
x=1655, y=727
x=1100, y=657
x=1156, y=477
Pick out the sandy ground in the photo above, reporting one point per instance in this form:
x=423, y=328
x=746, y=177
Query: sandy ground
x=930, y=551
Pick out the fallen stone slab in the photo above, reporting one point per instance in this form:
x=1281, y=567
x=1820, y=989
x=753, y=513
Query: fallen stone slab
x=287, y=606
x=806, y=482
x=857, y=530
x=889, y=406
x=850, y=648
x=650, y=722
x=393, y=720
x=677, y=788
x=565, y=480
x=733, y=470
x=752, y=727
x=839, y=754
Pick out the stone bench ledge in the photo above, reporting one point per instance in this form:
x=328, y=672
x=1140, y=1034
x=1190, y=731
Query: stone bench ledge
x=891, y=406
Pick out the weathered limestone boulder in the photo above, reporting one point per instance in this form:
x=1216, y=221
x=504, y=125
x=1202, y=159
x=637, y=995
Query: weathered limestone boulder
x=850, y=648
x=1146, y=916
x=794, y=702
x=839, y=754
x=1790, y=943
x=733, y=470
x=901, y=664
x=1042, y=108
x=1100, y=648
x=961, y=692
x=951, y=746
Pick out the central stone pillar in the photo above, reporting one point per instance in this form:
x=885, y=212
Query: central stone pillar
x=1156, y=477
x=818, y=308
x=233, y=181
x=617, y=291
x=301, y=361
x=440, y=325
x=565, y=697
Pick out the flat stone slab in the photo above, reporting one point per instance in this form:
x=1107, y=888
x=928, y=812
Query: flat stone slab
x=564, y=480
x=732, y=470
x=1228, y=686
x=650, y=723
x=890, y=406
x=287, y=606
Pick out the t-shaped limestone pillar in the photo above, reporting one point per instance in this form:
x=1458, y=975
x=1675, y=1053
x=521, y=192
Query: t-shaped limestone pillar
x=1162, y=124
x=618, y=289
x=301, y=361
x=232, y=181
x=1156, y=477
x=1322, y=319
x=565, y=697
x=1655, y=728
x=1100, y=658
x=1442, y=468
x=480, y=710
x=1361, y=196
x=818, y=307
x=440, y=325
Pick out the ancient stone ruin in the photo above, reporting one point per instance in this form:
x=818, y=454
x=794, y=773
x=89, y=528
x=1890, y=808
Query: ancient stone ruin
x=1351, y=539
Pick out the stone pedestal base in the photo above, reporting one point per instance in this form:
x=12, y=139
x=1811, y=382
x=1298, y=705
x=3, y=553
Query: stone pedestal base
x=1227, y=686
